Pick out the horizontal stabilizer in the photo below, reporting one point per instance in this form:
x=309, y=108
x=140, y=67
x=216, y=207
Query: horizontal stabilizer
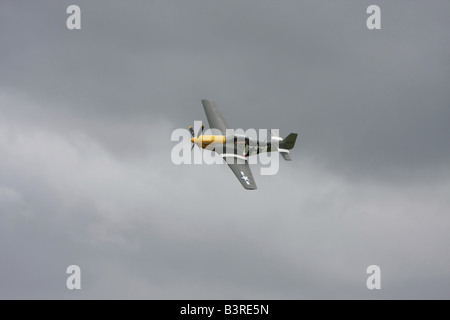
x=286, y=156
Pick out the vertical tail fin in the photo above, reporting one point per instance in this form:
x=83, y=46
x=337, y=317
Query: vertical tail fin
x=288, y=142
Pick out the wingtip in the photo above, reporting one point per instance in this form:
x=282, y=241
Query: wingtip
x=208, y=102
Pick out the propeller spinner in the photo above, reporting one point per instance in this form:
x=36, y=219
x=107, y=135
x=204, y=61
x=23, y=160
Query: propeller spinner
x=193, y=134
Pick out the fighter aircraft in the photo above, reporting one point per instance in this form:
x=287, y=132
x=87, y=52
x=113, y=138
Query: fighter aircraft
x=242, y=146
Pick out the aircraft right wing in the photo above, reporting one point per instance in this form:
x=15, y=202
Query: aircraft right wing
x=215, y=118
x=241, y=170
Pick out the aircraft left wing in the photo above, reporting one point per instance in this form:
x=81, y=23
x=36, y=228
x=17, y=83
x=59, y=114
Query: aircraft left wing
x=241, y=170
x=215, y=118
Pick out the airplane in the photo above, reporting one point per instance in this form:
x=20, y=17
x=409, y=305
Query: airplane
x=242, y=146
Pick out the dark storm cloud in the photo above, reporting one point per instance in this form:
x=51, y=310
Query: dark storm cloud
x=374, y=103
x=85, y=171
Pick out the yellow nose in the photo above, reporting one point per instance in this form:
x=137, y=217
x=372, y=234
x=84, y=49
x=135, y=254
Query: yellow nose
x=193, y=140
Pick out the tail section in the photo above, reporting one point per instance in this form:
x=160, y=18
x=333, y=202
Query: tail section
x=287, y=144
x=286, y=156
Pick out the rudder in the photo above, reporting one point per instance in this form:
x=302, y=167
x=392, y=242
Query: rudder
x=289, y=142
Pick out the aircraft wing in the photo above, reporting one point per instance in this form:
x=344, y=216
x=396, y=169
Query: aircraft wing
x=215, y=119
x=241, y=170
x=238, y=165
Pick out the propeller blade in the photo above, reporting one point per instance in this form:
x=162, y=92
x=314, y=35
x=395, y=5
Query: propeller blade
x=200, y=131
x=193, y=145
x=191, y=131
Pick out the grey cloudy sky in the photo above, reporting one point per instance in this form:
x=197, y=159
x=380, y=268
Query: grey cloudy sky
x=85, y=170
